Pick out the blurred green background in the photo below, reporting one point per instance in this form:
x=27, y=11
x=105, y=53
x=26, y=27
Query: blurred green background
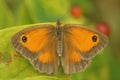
x=105, y=66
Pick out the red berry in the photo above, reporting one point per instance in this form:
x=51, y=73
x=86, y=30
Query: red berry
x=104, y=28
x=76, y=11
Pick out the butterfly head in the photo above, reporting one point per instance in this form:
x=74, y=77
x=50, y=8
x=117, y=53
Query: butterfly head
x=58, y=23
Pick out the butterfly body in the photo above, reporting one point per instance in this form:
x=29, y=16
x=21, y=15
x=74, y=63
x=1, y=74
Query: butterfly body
x=59, y=33
x=43, y=44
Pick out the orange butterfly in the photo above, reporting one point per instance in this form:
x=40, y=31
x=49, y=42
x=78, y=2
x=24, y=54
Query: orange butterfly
x=46, y=45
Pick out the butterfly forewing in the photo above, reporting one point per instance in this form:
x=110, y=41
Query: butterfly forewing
x=86, y=41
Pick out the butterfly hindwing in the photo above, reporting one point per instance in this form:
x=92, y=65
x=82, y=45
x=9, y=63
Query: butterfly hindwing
x=72, y=61
x=48, y=58
x=36, y=44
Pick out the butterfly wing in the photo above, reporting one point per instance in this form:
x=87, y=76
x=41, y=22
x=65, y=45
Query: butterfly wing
x=86, y=41
x=81, y=44
x=38, y=45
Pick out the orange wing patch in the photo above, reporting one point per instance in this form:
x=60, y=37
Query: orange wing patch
x=46, y=57
x=36, y=39
x=82, y=38
x=74, y=57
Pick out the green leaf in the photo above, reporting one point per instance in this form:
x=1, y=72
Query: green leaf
x=6, y=17
x=14, y=66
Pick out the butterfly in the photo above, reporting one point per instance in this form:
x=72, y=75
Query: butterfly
x=47, y=45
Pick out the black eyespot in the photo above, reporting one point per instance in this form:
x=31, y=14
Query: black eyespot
x=24, y=38
x=94, y=38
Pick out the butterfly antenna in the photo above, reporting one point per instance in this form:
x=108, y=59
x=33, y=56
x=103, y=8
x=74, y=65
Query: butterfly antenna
x=59, y=19
x=62, y=17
